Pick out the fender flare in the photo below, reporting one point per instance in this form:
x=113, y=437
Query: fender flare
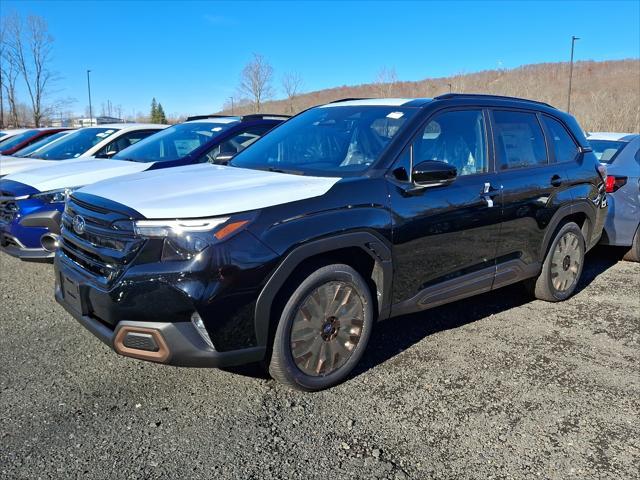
x=373, y=244
x=563, y=212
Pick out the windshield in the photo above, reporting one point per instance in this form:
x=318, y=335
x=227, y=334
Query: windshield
x=17, y=139
x=26, y=151
x=74, y=144
x=606, y=151
x=174, y=143
x=327, y=141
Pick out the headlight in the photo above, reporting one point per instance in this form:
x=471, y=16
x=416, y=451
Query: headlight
x=54, y=196
x=184, y=239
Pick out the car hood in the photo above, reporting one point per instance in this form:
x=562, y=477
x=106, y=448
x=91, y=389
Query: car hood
x=75, y=173
x=206, y=190
x=9, y=165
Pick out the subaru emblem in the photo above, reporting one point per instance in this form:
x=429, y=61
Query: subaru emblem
x=78, y=224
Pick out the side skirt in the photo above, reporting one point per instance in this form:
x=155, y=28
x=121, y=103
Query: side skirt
x=468, y=285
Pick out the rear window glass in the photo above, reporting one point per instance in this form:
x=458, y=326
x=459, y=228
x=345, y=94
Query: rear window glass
x=519, y=140
x=606, y=151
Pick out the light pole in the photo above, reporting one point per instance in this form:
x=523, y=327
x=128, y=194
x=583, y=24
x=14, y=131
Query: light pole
x=89, y=89
x=231, y=105
x=573, y=42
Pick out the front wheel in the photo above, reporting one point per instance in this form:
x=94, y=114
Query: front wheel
x=324, y=329
x=562, y=266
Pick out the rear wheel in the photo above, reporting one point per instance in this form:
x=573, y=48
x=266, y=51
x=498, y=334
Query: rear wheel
x=633, y=255
x=324, y=329
x=562, y=266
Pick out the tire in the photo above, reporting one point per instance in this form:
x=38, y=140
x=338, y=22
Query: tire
x=562, y=266
x=318, y=342
x=633, y=255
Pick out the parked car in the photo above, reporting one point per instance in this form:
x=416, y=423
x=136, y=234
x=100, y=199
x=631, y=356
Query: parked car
x=620, y=152
x=348, y=213
x=5, y=135
x=25, y=139
x=34, y=199
x=28, y=150
x=90, y=142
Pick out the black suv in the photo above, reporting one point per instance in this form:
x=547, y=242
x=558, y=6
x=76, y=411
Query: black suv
x=346, y=214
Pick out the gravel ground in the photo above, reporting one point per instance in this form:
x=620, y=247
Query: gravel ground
x=497, y=386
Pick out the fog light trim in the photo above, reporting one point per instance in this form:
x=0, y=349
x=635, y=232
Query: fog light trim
x=200, y=328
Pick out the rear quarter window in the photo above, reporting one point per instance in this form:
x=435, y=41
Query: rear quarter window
x=563, y=146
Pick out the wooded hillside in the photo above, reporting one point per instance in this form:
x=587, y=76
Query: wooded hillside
x=605, y=95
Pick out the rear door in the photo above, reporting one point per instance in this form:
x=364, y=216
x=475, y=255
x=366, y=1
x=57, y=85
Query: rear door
x=534, y=185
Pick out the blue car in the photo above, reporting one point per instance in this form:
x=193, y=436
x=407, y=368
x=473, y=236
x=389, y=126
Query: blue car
x=31, y=202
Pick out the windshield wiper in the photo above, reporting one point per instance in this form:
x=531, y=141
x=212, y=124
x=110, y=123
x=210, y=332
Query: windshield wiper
x=282, y=170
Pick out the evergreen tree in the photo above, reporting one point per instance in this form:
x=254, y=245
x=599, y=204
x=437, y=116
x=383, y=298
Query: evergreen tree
x=161, y=117
x=154, y=111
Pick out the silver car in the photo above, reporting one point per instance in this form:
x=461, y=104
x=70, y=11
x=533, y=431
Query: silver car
x=620, y=152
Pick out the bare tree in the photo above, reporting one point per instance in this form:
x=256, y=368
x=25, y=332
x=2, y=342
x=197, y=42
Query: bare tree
x=291, y=84
x=255, y=81
x=386, y=81
x=30, y=50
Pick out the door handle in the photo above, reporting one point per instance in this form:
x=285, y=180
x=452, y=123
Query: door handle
x=488, y=192
x=556, y=181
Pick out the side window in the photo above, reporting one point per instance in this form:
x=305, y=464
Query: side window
x=123, y=141
x=519, y=140
x=563, y=145
x=457, y=138
x=233, y=145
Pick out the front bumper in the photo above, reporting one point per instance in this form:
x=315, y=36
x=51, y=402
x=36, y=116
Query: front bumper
x=177, y=344
x=20, y=235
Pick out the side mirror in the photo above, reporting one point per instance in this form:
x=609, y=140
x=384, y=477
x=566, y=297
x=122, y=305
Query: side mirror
x=108, y=154
x=433, y=173
x=224, y=158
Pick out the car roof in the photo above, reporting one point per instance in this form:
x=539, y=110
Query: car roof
x=130, y=126
x=614, y=136
x=377, y=102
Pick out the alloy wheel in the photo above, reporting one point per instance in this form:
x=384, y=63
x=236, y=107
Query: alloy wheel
x=327, y=328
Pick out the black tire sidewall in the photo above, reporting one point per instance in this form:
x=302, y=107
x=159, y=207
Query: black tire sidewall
x=321, y=276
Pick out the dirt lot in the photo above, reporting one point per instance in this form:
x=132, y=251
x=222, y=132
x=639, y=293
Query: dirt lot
x=493, y=387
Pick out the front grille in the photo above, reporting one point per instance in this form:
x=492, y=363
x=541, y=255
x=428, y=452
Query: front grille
x=107, y=243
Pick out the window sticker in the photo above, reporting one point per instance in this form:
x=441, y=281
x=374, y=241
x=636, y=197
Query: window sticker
x=216, y=129
x=395, y=115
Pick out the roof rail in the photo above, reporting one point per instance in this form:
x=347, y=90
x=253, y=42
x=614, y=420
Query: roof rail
x=349, y=99
x=488, y=95
x=242, y=118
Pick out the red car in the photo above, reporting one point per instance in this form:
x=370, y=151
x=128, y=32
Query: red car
x=26, y=138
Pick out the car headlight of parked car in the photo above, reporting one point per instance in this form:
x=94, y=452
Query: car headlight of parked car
x=59, y=195
x=185, y=239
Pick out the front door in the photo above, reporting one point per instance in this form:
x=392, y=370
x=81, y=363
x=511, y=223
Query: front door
x=445, y=237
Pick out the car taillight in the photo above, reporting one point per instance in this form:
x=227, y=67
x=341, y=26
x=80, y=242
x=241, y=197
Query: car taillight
x=614, y=183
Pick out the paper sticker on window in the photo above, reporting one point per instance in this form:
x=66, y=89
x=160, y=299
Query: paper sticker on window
x=216, y=129
x=395, y=115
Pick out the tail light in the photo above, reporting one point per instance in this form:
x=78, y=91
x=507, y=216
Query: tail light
x=614, y=183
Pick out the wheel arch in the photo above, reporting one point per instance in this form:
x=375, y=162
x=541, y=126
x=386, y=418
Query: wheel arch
x=361, y=250
x=581, y=213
